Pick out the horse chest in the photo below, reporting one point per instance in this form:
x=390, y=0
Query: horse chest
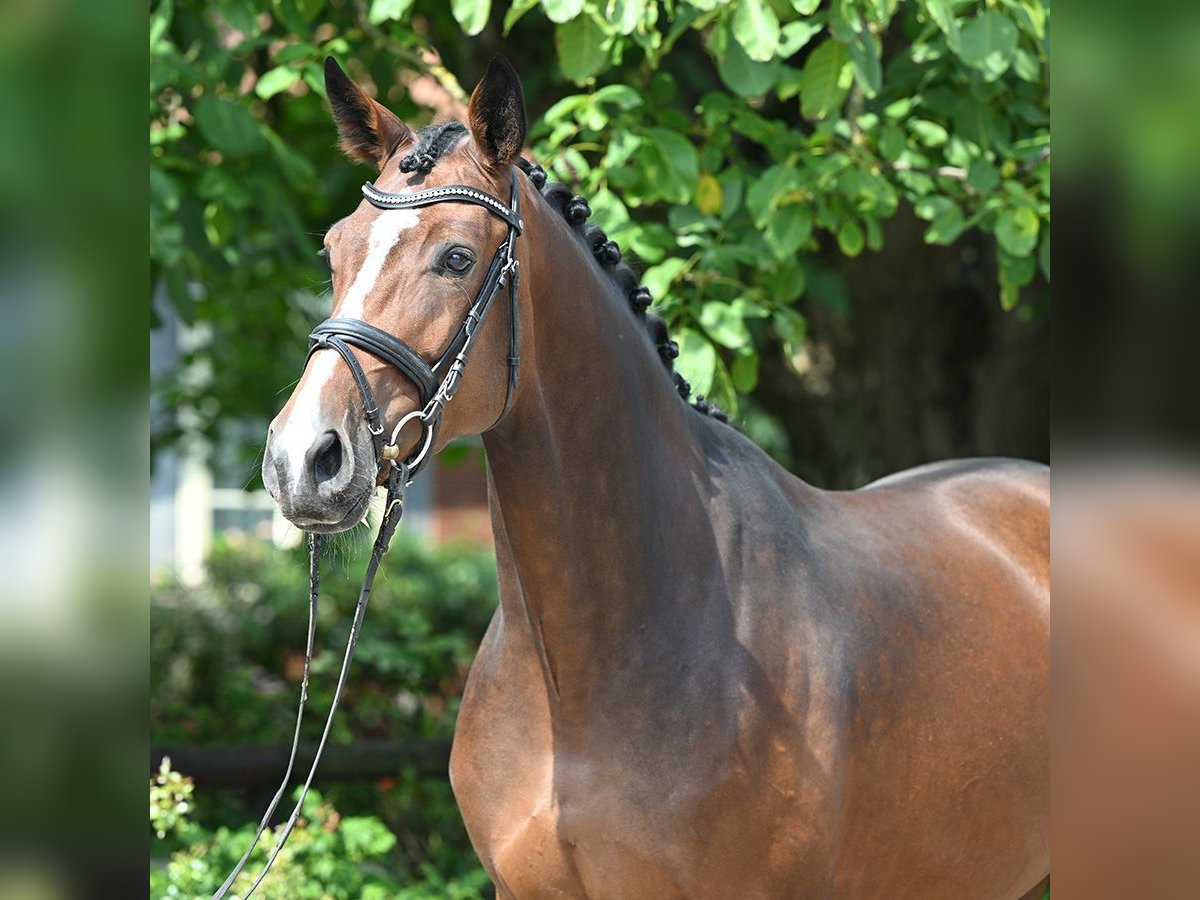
x=596, y=829
x=609, y=814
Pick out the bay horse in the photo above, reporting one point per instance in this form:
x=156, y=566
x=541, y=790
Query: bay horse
x=705, y=677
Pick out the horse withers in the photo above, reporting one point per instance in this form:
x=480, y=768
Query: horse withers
x=705, y=678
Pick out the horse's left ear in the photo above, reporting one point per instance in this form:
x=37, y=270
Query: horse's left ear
x=368, y=131
x=497, y=113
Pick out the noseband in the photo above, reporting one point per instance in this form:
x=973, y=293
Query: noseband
x=436, y=384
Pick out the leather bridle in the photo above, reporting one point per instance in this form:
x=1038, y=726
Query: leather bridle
x=436, y=384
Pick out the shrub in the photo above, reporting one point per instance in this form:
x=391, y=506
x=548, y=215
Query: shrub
x=226, y=661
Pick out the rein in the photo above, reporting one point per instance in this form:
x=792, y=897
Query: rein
x=437, y=385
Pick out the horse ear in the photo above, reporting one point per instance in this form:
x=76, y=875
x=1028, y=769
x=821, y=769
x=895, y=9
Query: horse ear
x=367, y=131
x=497, y=113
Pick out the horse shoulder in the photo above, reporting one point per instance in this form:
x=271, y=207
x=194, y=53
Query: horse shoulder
x=502, y=770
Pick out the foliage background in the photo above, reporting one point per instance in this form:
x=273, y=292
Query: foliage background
x=225, y=665
x=823, y=195
x=841, y=208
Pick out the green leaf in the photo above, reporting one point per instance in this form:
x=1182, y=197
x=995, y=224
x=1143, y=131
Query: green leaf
x=386, y=10
x=864, y=53
x=1014, y=273
x=891, y=143
x=309, y=9
x=788, y=229
x=850, y=238
x=515, y=12
x=625, y=15
x=947, y=225
x=756, y=27
x=805, y=7
x=931, y=134
x=561, y=11
x=1027, y=67
x=295, y=52
x=581, y=52
x=795, y=36
x=845, y=19
x=472, y=15
x=660, y=278
x=365, y=836
x=709, y=198
x=1031, y=16
x=745, y=77
x=988, y=43
x=275, y=81
x=745, y=371
x=697, y=360
x=563, y=109
x=160, y=22
x=769, y=190
x=929, y=208
x=227, y=125
x=218, y=224
x=982, y=175
x=622, y=95
x=1017, y=230
x=680, y=163
x=722, y=323
x=823, y=84
x=942, y=13
x=731, y=192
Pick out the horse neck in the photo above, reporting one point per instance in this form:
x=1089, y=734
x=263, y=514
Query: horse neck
x=595, y=471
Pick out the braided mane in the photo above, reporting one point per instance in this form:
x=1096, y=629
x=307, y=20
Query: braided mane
x=575, y=210
x=434, y=141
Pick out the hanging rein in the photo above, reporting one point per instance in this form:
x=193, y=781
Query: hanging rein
x=436, y=385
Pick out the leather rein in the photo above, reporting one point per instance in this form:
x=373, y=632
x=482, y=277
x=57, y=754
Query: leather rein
x=436, y=385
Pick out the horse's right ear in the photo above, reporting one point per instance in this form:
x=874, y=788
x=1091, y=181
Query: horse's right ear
x=367, y=131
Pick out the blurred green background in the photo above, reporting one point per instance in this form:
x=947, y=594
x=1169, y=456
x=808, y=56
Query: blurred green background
x=225, y=664
x=841, y=209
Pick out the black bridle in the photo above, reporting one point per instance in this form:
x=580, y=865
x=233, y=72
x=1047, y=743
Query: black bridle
x=436, y=385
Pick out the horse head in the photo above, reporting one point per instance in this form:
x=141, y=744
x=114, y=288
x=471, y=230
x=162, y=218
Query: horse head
x=414, y=271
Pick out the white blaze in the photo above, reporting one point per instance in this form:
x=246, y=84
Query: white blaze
x=385, y=232
x=307, y=422
x=304, y=424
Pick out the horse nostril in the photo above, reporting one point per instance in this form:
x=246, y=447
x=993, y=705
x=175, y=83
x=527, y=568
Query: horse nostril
x=326, y=455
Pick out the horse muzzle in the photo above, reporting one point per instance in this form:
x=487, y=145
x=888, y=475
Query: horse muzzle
x=321, y=478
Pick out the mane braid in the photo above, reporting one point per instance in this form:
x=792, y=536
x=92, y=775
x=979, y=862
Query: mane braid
x=432, y=143
x=575, y=210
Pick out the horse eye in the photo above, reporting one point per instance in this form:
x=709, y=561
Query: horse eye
x=323, y=254
x=458, y=261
